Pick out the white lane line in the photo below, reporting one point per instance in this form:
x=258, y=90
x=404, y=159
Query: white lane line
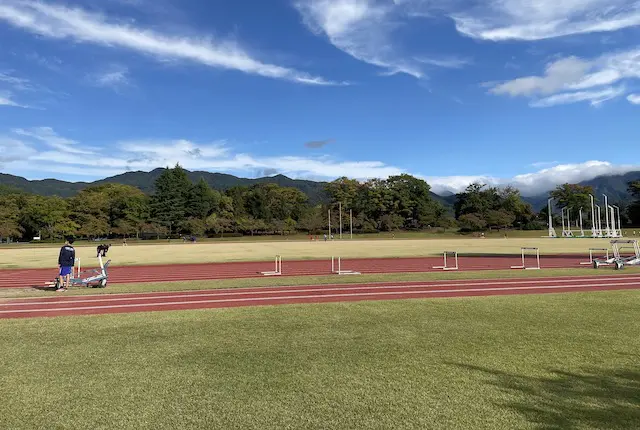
x=267, y=299
x=294, y=289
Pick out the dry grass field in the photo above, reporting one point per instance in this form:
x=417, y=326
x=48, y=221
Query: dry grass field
x=209, y=252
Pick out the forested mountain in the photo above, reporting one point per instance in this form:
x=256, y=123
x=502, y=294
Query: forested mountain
x=614, y=186
x=145, y=181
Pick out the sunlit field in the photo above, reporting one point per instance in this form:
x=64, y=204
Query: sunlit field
x=177, y=252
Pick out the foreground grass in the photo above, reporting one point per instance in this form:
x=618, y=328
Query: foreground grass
x=210, y=252
x=318, y=280
x=550, y=361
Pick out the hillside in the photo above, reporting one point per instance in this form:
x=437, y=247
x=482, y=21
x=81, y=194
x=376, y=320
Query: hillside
x=615, y=186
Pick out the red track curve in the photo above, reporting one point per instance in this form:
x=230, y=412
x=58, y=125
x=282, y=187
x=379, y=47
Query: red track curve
x=20, y=278
x=63, y=305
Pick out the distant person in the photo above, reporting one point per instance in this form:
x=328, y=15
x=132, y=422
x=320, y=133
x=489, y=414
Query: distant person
x=102, y=249
x=124, y=242
x=66, y=261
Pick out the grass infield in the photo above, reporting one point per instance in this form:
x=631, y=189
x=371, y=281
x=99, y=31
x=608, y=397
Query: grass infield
x=209, y=252
x=505, y=362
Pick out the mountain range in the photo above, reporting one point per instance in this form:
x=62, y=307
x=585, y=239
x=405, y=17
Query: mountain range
x=615, y=186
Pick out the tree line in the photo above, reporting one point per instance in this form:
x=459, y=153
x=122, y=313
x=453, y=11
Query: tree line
x=180, y=207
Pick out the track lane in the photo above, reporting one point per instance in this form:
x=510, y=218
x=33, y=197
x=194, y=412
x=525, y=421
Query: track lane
x=20, y=278
x=85, y=305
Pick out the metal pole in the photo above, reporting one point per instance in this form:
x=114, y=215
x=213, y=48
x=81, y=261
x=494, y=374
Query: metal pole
x=329, y=224
x=599, y=221
x=619, y=223
x=606, y=213
x=594, y=230
x=550, y=219
x=581, y=229
x=351, y=222
x=340, y=206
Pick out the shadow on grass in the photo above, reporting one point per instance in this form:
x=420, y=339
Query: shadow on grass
x=591, y=398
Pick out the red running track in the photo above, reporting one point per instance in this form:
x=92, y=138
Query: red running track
x=20, y=278
x=63, y=305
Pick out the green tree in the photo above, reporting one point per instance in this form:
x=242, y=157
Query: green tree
x=202, y=201
x=573, y=196
x=10, y=217
x=168, y=204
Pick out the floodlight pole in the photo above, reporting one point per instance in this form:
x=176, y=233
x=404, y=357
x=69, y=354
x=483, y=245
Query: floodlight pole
x=606, y=214
x=351, y=222
x=619, y=223
x=340, y=208
x=594, y=228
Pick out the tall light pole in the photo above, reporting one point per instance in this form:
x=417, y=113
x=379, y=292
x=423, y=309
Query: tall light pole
x=340, y=209
x=594, y=228
x=619, y=223
x=606, y=214
x=351, y=222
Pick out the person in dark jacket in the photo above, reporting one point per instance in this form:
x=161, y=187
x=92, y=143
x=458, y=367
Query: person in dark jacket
x=66, y=261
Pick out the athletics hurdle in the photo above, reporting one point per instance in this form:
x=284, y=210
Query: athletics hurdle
x=340, y=271
x=278, y=270
x=524, y=266
x=445, y=267
x=590, y=262
x=78, y=273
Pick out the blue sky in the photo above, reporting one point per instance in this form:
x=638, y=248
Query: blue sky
x=503, y=91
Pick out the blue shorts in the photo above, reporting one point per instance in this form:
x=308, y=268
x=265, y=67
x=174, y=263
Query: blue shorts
x=65, y=270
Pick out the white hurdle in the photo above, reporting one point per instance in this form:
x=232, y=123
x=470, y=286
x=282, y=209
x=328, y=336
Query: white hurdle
x=78, y=262
x=278, y=269
x=524, y=266
x=340, y=271
x=445, y=266
x=590, y=262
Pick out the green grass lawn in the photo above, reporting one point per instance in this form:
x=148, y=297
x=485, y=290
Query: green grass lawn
x=553, y=361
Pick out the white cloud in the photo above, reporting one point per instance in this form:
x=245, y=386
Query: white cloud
x=634, y=99
x=571, y=79
x=7, y=100
x=12, y=150
x=593, y=97
x=498, y=20
x=63, y=155
x=364, y=29
x=115, y=76
x=50, y=138
x=445, y=62
x=361, y=28
x=61, y=22
x=537, y=182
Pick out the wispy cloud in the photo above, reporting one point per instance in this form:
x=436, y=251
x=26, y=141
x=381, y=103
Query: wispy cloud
x=7, y=100
x=445, y=62
x=50, y=138
x=541, y=164
x=14, y=150
x=536, y=182
x=634, y=99
x=572, y=79
x=498, y=20
x=61, y=22
x=59, y=155
x=114, y=76
x=363, y=29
